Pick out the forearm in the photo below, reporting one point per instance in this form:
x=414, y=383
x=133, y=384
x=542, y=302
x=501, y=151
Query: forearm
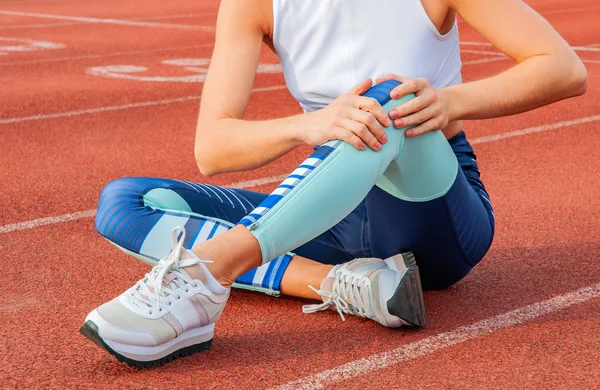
x=230, y=145
x=533, y=83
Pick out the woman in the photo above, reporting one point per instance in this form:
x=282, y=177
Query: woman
x=394, y=175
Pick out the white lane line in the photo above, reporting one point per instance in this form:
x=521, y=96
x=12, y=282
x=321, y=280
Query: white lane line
x=91, y=56
x=536, y=129
x=489, y=53
x=433, y=344
x=44, y=25
x=585, y=48
x=47, y=221
x=485, y=60
x=131, y=23
x=91, y=213
x=592, y=61
x=278, y=178
x=118, y=108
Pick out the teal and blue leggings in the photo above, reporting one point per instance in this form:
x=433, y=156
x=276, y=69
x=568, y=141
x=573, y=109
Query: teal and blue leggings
x=421, y=194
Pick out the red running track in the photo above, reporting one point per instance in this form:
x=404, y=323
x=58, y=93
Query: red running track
x=66, y=132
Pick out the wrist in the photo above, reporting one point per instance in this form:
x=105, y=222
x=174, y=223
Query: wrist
x=296, y=129
x=452, y=103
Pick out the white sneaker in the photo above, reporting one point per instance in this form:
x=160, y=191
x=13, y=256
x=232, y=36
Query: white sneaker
x=387, y=291
x=166, y=315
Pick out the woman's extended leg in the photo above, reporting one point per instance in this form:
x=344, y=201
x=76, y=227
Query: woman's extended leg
x=137, y=215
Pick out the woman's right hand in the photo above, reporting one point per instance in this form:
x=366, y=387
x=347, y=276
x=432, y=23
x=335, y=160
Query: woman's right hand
x=352, y=118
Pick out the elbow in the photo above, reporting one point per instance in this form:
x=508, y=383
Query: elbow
x=581, y=80
x=205, y=160
x=578, y=80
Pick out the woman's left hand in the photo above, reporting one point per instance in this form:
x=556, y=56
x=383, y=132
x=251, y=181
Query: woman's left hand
x=428, y=111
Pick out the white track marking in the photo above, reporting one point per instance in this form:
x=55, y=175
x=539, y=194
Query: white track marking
x=591, y=47
x=44, y=25
x=585, y=48
x=118, y=108
x=536, y=129
x=435, y=343
x=489, y=53
x=47, y=221
x=91, y=56
x=279, y=178
x=467, y=43
x=120, y=22
x=592, y=61
x=91, y=213
x=199, y=66
x=8, y=45
x=485, y=60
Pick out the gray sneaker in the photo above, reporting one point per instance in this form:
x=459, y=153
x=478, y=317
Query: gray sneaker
x=166, y=315
x=387, y=291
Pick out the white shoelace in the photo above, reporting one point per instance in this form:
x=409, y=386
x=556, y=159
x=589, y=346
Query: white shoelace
x=350, y=294
x=163, y=284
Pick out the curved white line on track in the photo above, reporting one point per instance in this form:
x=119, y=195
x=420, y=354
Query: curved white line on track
x=278, y=178
x=433, y=344
x=120, y=22
x=91, y=56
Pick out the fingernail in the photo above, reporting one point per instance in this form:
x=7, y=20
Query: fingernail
x=399, y=123
x=394, y=94
x=363, y=146
x=384, y=138
x=378, y=146
x=409, y=133
x=388, y=122
x=394, y=113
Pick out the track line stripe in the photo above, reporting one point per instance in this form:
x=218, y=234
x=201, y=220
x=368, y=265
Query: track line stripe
x=117, y=108
x=117, y=54
x=91, y=213
x=484, y=52
x=536, y=129
x=278, y=178
x=432, y=344
x=120, y=22
x=592, y=61
x=485, y=60
x=47, y=221
x=43, y=25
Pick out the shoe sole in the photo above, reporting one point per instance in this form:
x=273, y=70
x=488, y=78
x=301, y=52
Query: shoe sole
x=90, y=330
x=407, y=301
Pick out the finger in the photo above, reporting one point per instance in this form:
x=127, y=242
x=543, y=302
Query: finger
x=361, y=88
x=371, y=105
x=391, y=76
x=372, y=124
x=416, y=118
x=409, y=86
x=414, y=105
x=348, y=137
x=362, y=132
x=430, y=125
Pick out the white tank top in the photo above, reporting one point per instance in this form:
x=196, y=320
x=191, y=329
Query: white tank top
x=328, y=46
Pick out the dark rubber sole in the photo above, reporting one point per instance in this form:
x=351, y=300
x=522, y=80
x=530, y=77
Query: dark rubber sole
x=90, y=330
x=407, y=301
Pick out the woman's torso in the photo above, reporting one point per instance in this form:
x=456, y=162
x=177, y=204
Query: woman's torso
x=328, y=46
